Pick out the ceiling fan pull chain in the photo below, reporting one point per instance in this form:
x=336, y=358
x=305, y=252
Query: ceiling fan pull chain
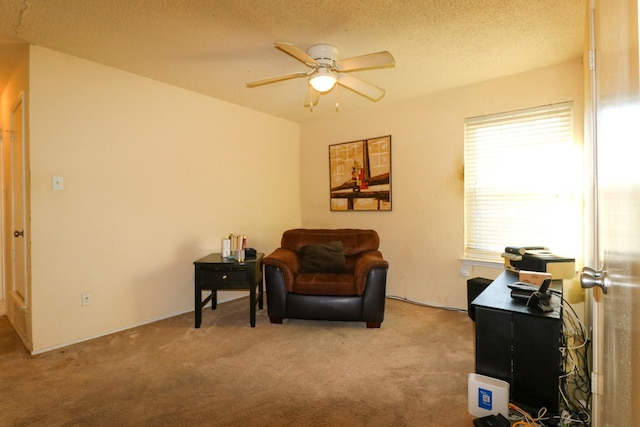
x=337, y=103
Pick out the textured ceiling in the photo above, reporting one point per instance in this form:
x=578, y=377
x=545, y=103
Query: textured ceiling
x=213, y=47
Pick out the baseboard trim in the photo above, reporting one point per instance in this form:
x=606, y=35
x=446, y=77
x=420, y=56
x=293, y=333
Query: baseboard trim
x=124, y=328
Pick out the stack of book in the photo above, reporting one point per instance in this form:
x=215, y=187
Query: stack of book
x=238, y=242
x=234, y=246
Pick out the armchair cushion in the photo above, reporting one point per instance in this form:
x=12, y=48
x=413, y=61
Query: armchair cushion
x=323, y=258
x=354, y=241
x=325, y=284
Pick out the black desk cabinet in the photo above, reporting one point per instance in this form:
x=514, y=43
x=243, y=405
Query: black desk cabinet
x=518, y=345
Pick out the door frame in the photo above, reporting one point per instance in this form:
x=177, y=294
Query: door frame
x=3, y=192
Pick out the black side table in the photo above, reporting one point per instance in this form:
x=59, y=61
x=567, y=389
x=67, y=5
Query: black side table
x=214, y=272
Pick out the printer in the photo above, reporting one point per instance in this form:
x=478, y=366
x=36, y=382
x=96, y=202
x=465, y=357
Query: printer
x=539, y=258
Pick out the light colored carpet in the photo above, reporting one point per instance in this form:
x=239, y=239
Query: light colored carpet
x=411, y=372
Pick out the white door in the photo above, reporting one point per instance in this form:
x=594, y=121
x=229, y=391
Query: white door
x=616, y=313
x=17, y=270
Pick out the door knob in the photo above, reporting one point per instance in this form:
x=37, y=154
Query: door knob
x=591, y=271
x=18, y=233
x=590, y=278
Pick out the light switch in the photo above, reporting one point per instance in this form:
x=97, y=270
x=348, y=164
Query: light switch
x=57, y=183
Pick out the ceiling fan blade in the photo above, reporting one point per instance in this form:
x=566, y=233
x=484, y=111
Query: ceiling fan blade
x=276, y=79
x=372, y=60
x=313, y=96
x=296, y=53
x=360, y=86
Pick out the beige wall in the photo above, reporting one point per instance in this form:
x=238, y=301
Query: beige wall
x=154, y=177
x=422, y=238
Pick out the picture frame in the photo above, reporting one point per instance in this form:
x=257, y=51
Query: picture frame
x=360, y=175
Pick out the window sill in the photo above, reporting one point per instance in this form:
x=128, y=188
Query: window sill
x=474, y=262
x=467, y=266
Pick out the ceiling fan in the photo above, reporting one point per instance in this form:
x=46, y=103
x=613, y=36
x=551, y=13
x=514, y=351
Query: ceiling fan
x=327, y=71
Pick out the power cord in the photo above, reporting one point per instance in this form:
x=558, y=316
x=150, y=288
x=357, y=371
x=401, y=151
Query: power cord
x=523, y=419
x=575, y=382
x=424, y=304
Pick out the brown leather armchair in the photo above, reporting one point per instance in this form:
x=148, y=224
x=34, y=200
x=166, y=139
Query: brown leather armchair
x=321, y=274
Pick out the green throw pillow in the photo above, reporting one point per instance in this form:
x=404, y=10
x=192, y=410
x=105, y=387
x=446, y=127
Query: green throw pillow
x=323, y=258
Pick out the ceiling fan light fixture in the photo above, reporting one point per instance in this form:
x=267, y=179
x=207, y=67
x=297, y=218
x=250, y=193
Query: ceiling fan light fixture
x=323, y=81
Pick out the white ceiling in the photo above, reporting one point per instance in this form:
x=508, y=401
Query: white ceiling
x=215, y=46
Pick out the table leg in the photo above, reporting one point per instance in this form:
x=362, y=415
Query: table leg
x=252, y=305
x=198, y=306
x=214, y=299
x=261, y=295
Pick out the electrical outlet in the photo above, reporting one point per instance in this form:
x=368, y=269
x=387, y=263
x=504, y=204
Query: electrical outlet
x=465, y=270
x=57, y=183
x=86, y=298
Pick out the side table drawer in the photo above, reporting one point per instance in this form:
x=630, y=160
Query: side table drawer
x=222, y=276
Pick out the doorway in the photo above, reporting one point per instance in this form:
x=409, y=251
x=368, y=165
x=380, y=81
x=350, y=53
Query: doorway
x=17, y=293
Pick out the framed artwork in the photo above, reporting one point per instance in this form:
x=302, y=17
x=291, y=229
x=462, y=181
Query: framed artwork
x=360, y=175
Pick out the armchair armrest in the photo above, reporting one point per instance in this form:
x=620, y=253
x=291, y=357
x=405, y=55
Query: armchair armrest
x=288, y=262
x=364, y=264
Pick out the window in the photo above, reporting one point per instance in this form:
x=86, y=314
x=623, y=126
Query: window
x=523, y=182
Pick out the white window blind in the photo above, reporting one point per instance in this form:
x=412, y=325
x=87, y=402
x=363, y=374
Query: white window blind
x=522, y=182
